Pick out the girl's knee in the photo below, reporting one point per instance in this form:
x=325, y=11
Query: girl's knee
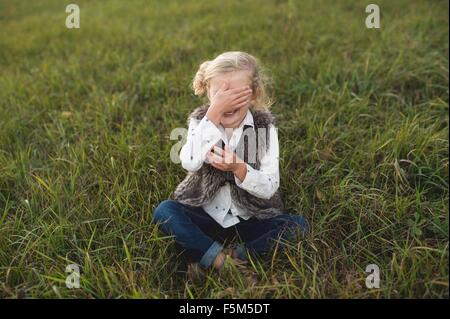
x=298, y=222
x=165, y=210
x=302, y=223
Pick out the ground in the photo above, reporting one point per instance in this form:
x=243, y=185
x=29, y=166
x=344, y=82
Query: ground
x=85, y=122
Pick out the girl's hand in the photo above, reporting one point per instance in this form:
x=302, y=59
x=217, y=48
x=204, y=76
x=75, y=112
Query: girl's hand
x=226, y=160
x=227, y=100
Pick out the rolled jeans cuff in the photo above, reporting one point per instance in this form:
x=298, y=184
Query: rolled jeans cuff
x=211, y=254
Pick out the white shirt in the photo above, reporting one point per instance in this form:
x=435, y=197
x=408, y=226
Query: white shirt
x=262, y=183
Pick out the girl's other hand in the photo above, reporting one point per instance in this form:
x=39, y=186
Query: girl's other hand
x=226, y=160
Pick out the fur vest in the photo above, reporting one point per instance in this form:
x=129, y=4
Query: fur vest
x=200, y=187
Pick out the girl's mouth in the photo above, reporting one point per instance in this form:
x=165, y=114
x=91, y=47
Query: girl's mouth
x=230, y=113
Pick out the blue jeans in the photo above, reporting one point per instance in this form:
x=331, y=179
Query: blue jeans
x=201, y=237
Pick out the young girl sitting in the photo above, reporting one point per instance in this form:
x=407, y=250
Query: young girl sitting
x=231, y=155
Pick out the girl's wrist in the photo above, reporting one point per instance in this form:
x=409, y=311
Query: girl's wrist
x=214, y=115
x=241, y=171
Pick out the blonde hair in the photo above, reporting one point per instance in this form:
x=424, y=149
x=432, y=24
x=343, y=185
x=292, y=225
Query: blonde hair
x=234, y=61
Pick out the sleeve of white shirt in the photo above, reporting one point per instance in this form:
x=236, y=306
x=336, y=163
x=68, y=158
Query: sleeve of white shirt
x=263, y=183
x=202, y=136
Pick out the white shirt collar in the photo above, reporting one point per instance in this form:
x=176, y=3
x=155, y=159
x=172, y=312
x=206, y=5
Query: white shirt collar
x=248, y=120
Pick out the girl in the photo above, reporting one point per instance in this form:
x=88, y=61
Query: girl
x=231, y=155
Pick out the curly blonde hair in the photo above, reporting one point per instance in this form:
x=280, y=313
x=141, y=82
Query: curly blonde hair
x=234, y=61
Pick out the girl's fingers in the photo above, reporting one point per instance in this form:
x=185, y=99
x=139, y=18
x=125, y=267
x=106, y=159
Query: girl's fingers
x=242, y=99
x=222, y=88
x=215, y=158
x=239, y=89
x=212, y=157
x=228, y=155
x=242, y=104
x=217, y=150
x=208, y=157
x=221, y=161
x=242, y=94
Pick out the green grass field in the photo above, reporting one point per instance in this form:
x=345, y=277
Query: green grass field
x=85, y=122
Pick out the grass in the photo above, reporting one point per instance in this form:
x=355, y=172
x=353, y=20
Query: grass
x=85, y=122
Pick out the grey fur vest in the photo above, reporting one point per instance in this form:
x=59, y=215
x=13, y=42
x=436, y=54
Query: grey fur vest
x=200, y=187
